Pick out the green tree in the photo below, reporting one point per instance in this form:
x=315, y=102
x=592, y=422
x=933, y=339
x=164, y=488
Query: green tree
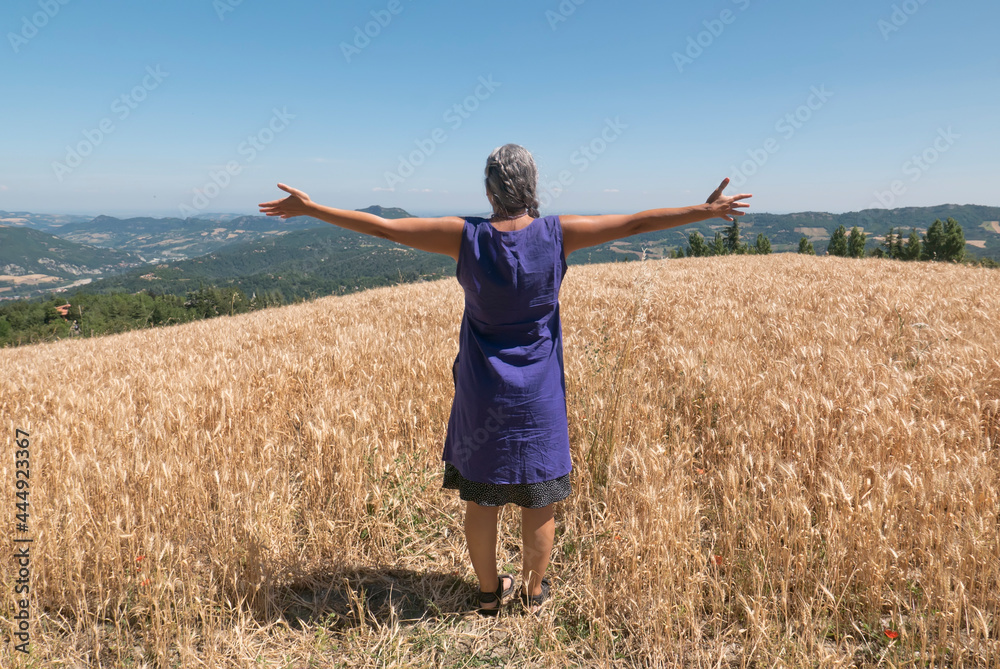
x=697, y=247
x=52, y=314
x=856, y=243
x=912, y=250
x=890, y=243
x=718, y=245
x=933, y=242
x=953, y=243
x=897, y=247
x=806, y=246
x=733, y=244
x=763, y=245
x=838, y=242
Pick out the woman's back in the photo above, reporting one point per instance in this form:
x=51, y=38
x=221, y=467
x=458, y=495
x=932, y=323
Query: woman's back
x=508, y=422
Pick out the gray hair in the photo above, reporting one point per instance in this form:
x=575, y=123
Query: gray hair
x=512, y=181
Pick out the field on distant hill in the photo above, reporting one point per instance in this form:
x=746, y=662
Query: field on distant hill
x=781, y=458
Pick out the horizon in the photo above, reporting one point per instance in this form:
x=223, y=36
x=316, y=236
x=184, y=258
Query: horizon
x=211, y=214
x=826, y=108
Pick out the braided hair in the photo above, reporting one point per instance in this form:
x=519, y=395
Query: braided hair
x=512, y=181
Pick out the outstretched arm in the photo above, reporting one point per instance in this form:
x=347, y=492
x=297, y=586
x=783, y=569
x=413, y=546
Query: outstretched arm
x=583, y=231
x=436, y=235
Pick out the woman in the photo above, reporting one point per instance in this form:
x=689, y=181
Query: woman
x=508, y=437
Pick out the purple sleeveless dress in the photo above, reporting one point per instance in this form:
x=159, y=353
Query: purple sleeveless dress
x=508, y=435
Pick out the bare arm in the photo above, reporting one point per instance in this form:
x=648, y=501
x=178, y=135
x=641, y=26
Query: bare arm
x=583, y=231
x=436, y=235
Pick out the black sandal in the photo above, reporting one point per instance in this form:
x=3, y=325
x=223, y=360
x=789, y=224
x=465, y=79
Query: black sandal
x=498, y=596
x=535, y=600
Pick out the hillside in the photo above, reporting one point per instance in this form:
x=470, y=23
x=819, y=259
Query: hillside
x=785, y=230
x=160, y=240
x=248, y=251
x=164, y=239
x=231, y=250
x=775, y=457
x=322, y=260
x=34, y=262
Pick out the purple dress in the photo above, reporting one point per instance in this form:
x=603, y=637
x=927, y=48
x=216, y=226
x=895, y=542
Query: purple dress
x=508, y=424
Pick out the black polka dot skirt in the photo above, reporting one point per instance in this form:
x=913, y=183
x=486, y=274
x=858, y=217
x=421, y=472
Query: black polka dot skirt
x=527, y=495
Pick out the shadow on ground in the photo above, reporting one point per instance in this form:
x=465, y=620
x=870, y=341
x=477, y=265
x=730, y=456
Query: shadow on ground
x=366, y=596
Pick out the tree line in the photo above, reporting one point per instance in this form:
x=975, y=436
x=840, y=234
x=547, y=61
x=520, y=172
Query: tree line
x=33, y=321
x=944, y=242
x=728, y=243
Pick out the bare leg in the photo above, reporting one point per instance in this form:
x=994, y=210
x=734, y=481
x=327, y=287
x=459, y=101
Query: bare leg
x=481, y=535
x=538, y=528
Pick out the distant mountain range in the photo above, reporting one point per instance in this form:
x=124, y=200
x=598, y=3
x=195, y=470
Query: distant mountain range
x=40, y=253
x=43, y=222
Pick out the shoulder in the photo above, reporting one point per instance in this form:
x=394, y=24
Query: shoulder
x=473, y=223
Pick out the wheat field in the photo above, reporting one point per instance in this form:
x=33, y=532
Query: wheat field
x=778, y=461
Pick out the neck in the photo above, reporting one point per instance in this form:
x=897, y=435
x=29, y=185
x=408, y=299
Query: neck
x=497, y=217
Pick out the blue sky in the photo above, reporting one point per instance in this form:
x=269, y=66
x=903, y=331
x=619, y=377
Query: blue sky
x=137, y=107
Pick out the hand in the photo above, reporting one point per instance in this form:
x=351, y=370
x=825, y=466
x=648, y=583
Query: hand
x=725, y=206
x=296, y=204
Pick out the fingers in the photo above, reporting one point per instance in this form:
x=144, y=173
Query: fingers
x=288, y=189
x=718, y=191
x=271, y=208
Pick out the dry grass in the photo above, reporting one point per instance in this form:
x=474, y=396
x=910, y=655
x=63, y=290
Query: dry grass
x=826, y=427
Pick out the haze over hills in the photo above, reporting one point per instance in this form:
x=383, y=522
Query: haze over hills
x=28, y=269
x=44, y=222
x=172, y=255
